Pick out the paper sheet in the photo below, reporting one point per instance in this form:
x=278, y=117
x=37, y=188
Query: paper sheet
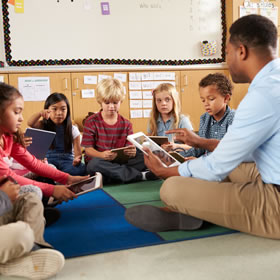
x=134, y=114
x=34, y=88
x=135, y=94
x=120, y=76
x=134, y=85
x=147, y=103
x=88, y=93
x=135, y=76
x=147, y=94
x=135, y=103
x=90, y=80
x=147, y=113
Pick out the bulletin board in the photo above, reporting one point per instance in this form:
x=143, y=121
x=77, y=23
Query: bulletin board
x=131, y=32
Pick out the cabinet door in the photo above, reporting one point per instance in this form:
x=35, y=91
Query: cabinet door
x=59, y=82
x=239, y=91
x=141, y=124
x=191, y=103
x=4, y=78
x=82, y=105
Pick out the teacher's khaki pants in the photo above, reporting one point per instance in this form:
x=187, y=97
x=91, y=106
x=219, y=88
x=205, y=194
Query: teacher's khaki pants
x=21, y=227
x=241, y=202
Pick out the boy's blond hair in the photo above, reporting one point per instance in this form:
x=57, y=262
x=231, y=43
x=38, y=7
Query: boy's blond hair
x=109, y=90
x=176, y=110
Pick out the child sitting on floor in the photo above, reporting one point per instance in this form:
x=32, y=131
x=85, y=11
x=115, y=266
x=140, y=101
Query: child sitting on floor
x=215, y=92
x=166, y=115
x=107, y=130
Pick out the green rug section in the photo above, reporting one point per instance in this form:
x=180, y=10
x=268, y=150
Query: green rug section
x=147, y=192
x=135, y=192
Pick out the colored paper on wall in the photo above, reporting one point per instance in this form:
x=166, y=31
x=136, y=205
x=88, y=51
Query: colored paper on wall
x=105, y=8
x=12, y=2
x=19, y=6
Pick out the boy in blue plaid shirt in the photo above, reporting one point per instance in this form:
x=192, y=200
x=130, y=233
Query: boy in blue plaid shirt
x=215, y=92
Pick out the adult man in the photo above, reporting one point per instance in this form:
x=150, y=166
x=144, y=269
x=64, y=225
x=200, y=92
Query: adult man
x=222, y=189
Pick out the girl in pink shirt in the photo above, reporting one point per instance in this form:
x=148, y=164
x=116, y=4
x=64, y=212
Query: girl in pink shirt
x=11, y=145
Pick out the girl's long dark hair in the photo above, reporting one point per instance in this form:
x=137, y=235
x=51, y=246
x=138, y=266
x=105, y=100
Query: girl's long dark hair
x=7, y=95
x=67, y=123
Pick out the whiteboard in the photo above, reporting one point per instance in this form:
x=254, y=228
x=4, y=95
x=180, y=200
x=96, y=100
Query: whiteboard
x=131, y=32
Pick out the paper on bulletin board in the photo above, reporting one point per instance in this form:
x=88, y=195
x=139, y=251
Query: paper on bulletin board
x=135, y=77
x=147, y=76
x=2, y=79
x=135, y=114
x=135, y=103
x=164, y=76
x=19, y=6
x=34, y=88
x=147, y=103
x=148, y=85
x=88, y=93
x=135, y=94
x=120, y=76
x=147, y=113
x=271, y=13
x=135, y=85
x=102, y=77
x=148, y=94
x=245, y=11
x=90, y=80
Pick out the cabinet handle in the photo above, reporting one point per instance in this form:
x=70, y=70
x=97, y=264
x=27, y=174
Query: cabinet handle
x=76, y=83
x=65, y=80
x=185, y=80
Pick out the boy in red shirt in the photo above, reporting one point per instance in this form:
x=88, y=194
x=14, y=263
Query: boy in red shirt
x=107, y=130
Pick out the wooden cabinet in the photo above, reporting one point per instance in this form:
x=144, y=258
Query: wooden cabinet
x=81, y=106
x=73, y=84
x=4, y=78
x=59, y=82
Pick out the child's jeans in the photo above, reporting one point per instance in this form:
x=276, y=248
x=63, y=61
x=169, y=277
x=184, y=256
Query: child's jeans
x=64, y=162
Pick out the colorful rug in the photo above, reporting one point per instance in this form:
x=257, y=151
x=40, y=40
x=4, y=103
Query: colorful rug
x=95, y=223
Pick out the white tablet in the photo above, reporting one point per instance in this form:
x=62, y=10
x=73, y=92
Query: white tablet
x=88, y=185
x=141, y=140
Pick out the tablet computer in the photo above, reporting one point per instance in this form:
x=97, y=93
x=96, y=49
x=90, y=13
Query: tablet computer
x=41, y=141
x=121, y=156
x=176, y=155
x=160, y=140
x=88, y=185
x=141, y=140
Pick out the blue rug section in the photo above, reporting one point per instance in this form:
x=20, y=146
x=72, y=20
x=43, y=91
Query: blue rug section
x=94, y=223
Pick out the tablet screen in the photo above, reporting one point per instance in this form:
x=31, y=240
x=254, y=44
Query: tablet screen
x=145, y=141
x=83, y=186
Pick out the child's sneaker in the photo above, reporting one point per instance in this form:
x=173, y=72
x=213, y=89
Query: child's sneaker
x=40, y=264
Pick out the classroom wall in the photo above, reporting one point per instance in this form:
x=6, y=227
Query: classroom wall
x=70, y=81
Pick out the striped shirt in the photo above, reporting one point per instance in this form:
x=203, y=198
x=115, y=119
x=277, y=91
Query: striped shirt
x=102, y=136
x=211, y=129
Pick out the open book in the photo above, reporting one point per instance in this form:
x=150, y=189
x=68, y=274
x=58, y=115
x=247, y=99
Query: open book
x=41, y=141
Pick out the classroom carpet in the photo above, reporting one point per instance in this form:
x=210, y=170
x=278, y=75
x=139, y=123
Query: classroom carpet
x=94, y=222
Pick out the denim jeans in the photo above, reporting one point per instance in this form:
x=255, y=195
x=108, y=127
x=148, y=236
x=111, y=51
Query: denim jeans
x=64, y=162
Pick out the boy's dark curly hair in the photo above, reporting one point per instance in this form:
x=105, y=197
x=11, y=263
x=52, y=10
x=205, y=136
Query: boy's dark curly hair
x=223, y=84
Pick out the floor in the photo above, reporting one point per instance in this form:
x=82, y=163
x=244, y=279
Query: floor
x=232, y=257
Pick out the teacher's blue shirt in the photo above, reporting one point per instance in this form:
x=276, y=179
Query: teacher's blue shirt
x=255, y=130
